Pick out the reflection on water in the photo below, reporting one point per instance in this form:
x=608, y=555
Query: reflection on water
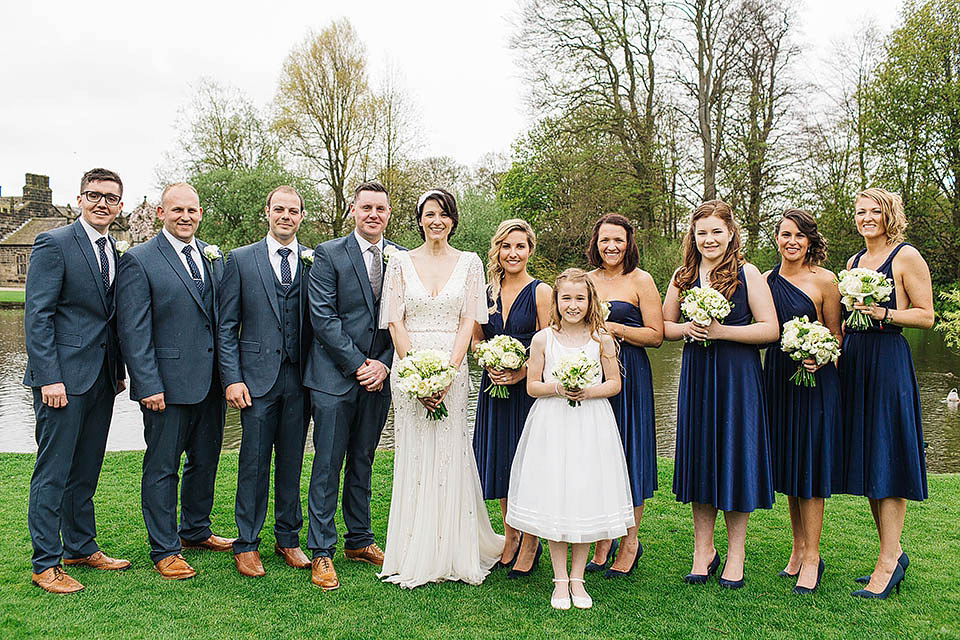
x=936, y=370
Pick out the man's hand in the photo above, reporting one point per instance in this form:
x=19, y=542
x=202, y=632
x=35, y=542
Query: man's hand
x=154, y=402
x=54, y=395
x=238, y=396
x=372, y=374
x=121, y=385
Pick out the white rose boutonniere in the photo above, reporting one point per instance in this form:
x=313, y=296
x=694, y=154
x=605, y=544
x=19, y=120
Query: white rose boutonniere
x=306, y=256
x=388, y=252
x=212, y=252
x=122, y=246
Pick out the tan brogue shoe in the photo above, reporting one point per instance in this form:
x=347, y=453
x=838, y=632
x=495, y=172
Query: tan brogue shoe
x=54, y=580
x=174, y=568
x=324, y=575
x=293, y=556
x=370, y=553
x=99, y=560
x=213, y=543
x=248, y=564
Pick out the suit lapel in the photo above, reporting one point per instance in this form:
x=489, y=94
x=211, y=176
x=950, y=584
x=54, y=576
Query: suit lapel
x=304, y=284
x=353, y=250
x=170, y=254
x=266, y=275
x=83, y=240
x=212, y=268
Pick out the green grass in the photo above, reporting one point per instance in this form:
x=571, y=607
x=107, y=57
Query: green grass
x=11, y=296
x=654, y=601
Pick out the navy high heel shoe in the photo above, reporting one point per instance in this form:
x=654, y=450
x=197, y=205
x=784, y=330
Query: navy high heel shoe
x=784, y=574
x=700, y=578
x=903, y=561
x=797, y=589
x=895, y=581
x=731, y=584
x=506, y=565
x=593, y=566
x=613, y=573
x=516, y=573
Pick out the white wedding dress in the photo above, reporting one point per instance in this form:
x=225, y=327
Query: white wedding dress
x=439, y=528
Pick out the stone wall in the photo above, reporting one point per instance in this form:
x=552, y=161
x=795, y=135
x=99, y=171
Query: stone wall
x=13, y=264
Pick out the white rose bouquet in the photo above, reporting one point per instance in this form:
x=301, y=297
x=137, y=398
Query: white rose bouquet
x=424, y=373
x=501, y=352
x=575, y=372
x=702, y=305
x=605, y=309
x=865, y=286
x=804, y=339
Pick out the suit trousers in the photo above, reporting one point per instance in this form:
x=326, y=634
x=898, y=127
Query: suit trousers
x=345, y=427
x=194, y=429
x=275, y=422
x=70, y=445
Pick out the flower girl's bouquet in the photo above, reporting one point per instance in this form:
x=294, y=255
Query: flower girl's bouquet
x=501, y=352
x=865, y=286
x=804, y=339
x=424, y=373
x=701, y=305
x=574, y=372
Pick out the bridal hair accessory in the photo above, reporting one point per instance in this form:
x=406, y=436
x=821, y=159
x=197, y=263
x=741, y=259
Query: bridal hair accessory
x=423, y=198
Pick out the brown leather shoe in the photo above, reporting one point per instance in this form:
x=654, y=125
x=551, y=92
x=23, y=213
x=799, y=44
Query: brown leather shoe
x=213, y=543
x=370, y=553
x=324, y=575
x=174, y=568
x=293, y=556
x=54, y=580
x=248, y=564
x=99, y=560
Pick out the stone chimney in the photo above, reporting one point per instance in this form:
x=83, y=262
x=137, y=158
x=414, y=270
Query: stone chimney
x=37, y=195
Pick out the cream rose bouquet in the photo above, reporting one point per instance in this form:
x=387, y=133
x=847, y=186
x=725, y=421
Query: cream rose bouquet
x=804, y=339
x=702, y=305
x=865, y=286
x=425, y=373
x=501, y=352
x=574, y=372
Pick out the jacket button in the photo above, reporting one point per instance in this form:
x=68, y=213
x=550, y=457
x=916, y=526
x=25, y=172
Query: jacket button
x=103, y=345
x=206, y=326
x=278, y=351
x=210, y=350
x=370, y=330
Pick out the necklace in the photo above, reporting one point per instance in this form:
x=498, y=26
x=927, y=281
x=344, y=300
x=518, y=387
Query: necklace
x=608, y=279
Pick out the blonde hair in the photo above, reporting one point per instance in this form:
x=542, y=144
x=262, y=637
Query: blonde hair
x=594, y=318
x=891, y=205
x=495, y=270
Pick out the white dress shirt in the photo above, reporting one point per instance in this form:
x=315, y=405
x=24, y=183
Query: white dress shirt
x=95, y=235
x=294, y=258
x=364, y=249
x=178, y=246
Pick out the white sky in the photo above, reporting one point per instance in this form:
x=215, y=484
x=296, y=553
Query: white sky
x=100, y=84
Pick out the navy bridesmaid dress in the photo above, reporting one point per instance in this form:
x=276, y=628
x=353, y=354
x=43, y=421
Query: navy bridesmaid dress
x=500, y=421
x=723, y=452
x=806, y=435
x=633, y=407
x=882, y=431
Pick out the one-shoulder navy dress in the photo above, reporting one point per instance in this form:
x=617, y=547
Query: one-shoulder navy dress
x=500, y=421
x=882, y=430
x=806, y=434
x=633, y=407
x=723, y=451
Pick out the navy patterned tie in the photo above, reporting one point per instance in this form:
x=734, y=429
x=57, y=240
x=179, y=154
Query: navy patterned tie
x=104, y=265
x=194, y=271
x=285, y=278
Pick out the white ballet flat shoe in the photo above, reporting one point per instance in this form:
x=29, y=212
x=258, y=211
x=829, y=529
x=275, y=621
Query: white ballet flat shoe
x=581, y=602
x=563, y=602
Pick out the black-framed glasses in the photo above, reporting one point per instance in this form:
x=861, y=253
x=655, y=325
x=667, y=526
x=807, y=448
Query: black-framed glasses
x=93, y=197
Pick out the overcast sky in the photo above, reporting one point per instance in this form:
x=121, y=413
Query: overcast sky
x=99, y=84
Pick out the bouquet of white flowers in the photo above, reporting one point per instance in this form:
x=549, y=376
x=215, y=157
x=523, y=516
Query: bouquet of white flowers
x=501, y=352
x=605, y=309
x=424, y=373
x=865, y=286
x=702, y=305
x=575, y=371
x=804, y=339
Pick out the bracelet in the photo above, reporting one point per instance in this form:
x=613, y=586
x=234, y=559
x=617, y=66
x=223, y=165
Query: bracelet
x=886, y=315
x=556, y=389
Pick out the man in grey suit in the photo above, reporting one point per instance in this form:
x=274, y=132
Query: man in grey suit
x=75, y=370
x=264, y=337
x=167, y=321
x=347, y=375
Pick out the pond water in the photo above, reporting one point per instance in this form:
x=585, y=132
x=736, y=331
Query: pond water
x=938, y=371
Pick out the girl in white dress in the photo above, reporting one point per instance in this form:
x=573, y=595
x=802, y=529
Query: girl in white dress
x=569, y=481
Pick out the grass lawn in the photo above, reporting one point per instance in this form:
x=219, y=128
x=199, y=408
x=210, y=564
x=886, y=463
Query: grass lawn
x=11, y=296
x=654, y=601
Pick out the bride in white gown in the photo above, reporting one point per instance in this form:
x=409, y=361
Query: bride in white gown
x=439, y=528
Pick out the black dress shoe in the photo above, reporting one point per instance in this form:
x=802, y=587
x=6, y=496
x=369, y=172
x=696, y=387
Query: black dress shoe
x=613, y=573
x=516, y=573
x=593, y=566
x=701, y=578
x=506, y=565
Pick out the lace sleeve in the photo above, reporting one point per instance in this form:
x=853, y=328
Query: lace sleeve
x=392, y=308
x=475, y=291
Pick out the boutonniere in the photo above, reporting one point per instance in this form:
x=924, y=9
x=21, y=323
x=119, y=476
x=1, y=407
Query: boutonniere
x=212, y=252
x=388, y=252
x=122, y=246
x=306, y=256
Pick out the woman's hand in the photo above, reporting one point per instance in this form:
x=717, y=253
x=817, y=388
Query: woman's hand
x=874, y=311
x=507, y=376
x=811, y=365
x=574, y=395
x=695, y=332
x=615, y=329
x=434, y=401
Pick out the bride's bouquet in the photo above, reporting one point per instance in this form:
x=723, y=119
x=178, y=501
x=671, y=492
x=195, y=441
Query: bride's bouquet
x=501, y=352
x=574, y=372
x=865, y=286
x=702, y=305
x=424, y=373
x=804, y=339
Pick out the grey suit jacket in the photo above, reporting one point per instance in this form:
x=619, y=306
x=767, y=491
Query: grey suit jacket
x=250, y=336
x=69, y=317
x=345, y=316
x=166, y=335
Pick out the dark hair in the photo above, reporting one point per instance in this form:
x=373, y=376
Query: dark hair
x=723, y=277
x=631, y=257
x=287, y=189
x=807, y=224
x=100, y=175
x=371, y=185
x=446, y=201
